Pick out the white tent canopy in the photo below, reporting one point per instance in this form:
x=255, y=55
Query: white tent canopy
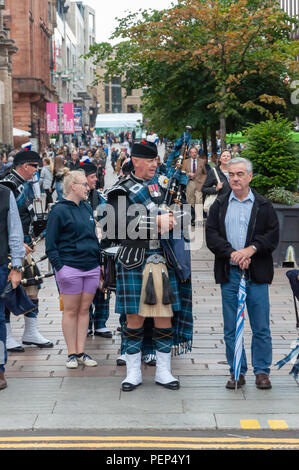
x=118, y=122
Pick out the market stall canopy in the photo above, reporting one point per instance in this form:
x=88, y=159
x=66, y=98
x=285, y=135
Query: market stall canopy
x=20, y=133
x=118, y=122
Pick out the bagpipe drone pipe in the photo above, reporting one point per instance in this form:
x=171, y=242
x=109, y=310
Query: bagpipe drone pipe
x=177, y=248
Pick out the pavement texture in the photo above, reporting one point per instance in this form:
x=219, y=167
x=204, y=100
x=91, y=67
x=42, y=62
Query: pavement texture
x=43, y=394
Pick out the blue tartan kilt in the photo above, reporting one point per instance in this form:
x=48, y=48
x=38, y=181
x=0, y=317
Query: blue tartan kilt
x=129, y=284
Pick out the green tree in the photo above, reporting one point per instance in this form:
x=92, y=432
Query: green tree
x=230, y=39
x=202, y=60
x=272, y=151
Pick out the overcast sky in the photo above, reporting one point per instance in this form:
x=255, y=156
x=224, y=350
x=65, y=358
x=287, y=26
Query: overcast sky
x=107, y=10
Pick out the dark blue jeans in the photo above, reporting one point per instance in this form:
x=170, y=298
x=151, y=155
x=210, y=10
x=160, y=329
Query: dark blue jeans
x=3, y=353
x=258, y=308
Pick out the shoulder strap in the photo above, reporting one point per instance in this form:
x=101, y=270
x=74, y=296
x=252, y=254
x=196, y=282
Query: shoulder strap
x=216, y=174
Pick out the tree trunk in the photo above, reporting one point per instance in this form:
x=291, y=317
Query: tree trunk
x=205, y=143
x=213, y=140
x=223, y=120
x=223, y=131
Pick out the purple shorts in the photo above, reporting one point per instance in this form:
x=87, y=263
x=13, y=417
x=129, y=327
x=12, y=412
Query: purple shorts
x=74, y=281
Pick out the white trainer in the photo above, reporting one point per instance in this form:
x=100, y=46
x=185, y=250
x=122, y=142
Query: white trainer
x=86, y=360
x=72, y=362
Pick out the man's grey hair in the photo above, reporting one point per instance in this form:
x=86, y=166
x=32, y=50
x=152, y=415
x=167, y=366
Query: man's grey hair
x=237, y=160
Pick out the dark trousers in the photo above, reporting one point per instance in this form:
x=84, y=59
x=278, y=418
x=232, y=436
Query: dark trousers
x=3, y=353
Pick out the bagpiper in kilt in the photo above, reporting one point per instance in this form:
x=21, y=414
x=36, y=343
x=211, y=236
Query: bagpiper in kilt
x=20, y=180
x=147, y=285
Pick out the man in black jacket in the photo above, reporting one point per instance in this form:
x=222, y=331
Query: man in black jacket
x=242, y=231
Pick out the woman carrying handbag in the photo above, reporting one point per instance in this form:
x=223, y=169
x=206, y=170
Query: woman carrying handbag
x=217, y=181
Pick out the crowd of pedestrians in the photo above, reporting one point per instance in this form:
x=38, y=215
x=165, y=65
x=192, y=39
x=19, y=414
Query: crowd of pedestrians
x=241, y=231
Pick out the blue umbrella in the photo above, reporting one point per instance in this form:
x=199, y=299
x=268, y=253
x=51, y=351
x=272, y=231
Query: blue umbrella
x=294, y=352
x=240, y=328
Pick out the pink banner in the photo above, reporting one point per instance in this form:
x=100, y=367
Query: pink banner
x=68, y=118
x=52, y=118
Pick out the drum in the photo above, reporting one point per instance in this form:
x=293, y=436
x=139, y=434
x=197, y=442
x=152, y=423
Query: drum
x=108, y=259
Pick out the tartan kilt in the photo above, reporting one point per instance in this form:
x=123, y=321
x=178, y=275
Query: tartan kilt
x=128, y=291
x=129, y=284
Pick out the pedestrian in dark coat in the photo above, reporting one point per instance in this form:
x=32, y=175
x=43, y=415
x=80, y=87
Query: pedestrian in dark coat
x=242, y=231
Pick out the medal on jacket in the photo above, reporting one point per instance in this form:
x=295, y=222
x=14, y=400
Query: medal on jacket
x=154, y=190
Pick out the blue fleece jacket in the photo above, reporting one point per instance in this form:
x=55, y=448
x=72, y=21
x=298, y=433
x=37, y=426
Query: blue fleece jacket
x=70, y=236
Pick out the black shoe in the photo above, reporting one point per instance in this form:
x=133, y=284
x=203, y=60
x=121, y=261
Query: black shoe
x=103, y=334
x=17, y=349
x=127, y=387
x=120, y=361
x=175, y=385
x=39, y=345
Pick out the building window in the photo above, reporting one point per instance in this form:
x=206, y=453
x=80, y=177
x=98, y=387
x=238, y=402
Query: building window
x=107, y=98
x=116, y=95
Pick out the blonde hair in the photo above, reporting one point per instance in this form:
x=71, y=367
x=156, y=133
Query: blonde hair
x=69, y=179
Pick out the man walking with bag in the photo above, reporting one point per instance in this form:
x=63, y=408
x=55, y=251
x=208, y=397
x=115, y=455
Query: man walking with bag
x=242, y=231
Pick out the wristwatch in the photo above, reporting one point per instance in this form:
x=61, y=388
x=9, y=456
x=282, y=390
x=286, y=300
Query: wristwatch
x=17, y=268
x=254, y=247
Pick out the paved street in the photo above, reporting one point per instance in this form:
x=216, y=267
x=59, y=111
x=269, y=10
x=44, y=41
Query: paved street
x=43, y=394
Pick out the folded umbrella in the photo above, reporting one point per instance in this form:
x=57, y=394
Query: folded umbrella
x=240, y=328
x=294, y=352
x=293, y=276
x=16, y=300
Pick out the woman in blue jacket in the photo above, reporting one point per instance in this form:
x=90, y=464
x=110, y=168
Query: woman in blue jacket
x=73, y=250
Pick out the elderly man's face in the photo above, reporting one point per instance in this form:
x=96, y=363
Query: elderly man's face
x=193, y=153
x=239, y=178
x=75, y=156
x=145, y=168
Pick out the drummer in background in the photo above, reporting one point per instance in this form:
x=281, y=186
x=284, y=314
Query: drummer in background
x=99, y=309
x=73, y=249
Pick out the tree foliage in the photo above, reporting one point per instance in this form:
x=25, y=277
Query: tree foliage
x=202, y=60
x=271, y=149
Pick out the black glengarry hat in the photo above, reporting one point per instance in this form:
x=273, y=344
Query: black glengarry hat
x=26, y=156
x=89, y=168
x=144, y=149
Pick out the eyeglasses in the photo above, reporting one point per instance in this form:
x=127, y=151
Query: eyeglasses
x=83, y=184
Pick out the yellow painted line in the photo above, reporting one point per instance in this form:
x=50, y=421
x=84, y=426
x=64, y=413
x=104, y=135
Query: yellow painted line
x=151, y=446
x=131, y=439
x=277, y=424
x=250, y=424
x=148, y=438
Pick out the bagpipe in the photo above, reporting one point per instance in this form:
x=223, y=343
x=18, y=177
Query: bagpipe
x=176, y=247
x=178, y=178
